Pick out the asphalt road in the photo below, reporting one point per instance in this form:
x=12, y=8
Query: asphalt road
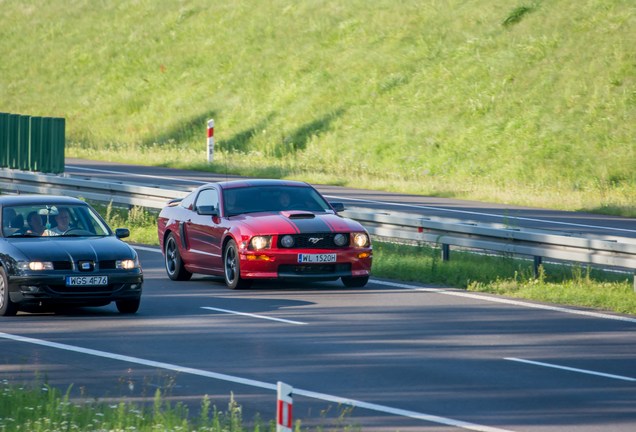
x=514, y=216
x=387, y=357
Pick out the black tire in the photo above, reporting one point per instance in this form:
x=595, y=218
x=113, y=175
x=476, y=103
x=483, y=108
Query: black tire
x=174, y=264
x=355, y=282
x=128, y=306
x=232, y=267
x=7, y=307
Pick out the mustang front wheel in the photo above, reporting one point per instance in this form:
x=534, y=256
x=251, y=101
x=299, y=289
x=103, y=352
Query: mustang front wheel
x=174, y=264
x=232, y=266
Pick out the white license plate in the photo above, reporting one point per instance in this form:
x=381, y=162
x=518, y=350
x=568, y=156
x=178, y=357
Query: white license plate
x=316, y=258
x=86, y=280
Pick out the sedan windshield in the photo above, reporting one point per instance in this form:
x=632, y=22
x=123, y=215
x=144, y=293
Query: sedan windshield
x=272, y=199
x=52, y=220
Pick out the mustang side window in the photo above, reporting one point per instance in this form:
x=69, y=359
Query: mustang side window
x=207, y=201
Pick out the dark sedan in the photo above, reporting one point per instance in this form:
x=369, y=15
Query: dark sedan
x=58, y=251
x=246, y=230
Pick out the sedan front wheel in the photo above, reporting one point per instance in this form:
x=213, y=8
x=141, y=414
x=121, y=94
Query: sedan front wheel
x=7, y=307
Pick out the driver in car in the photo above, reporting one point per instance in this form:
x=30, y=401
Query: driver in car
x=63, y=220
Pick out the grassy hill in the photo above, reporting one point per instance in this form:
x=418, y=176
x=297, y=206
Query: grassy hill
x=529, y=102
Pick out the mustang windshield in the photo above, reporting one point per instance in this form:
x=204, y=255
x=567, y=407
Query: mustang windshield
x=52, y=220
x=272, y=199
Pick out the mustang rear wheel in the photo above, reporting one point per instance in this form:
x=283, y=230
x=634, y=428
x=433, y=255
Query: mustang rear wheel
x=232, y=267
x=355, y=282
x=7, y=307
x=174, y=264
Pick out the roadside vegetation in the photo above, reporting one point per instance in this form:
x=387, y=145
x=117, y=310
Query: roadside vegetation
x=530, y=102
x=45, y=408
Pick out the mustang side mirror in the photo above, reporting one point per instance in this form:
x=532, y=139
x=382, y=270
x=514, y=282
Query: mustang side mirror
x=207, y=210
x=337, y=206
x=121, y=233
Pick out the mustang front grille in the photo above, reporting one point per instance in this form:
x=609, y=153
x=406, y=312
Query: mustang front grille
x=314, y=241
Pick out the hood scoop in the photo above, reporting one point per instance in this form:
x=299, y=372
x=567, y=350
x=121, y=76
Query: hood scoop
x=295, y=214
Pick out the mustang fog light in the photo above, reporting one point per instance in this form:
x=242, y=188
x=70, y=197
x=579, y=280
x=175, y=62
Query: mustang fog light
x=287, y=241
x=35, y=265
x=260, y=242
x=360, y=239
x=340, y=240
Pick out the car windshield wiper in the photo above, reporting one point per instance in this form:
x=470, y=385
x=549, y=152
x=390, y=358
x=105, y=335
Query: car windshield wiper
x=19, y=234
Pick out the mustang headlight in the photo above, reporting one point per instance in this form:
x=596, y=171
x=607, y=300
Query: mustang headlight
x=260, y=242
x=361, y=239
x=35, y=265
x=287, y=241
x=127, y=264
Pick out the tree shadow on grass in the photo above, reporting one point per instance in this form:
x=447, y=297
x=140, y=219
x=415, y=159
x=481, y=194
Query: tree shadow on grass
x=299, y=138
x=191, y=130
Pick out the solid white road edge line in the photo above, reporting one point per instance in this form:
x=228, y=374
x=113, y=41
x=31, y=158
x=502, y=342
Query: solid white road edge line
x=253, y=315
x=254, y=383
x=585, y=371
x=458, y=293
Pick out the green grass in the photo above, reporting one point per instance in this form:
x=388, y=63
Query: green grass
x=44, y=408
x=530, y=102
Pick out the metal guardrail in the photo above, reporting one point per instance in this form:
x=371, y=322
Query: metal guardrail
x=609, y=251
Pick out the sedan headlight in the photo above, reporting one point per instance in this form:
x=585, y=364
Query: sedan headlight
x=260, y=242
x=35, y=265
x=361, y=239
x=127, y=264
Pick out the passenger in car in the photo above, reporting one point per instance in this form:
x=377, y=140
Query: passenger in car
x=34, y=220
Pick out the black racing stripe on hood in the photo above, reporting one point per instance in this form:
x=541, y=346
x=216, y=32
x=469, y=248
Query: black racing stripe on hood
x=313, y=225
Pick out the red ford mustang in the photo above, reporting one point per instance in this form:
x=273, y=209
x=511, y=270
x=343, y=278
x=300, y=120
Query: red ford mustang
x=262, y=229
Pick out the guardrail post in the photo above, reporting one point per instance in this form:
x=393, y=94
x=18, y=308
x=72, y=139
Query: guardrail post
x=445, y=252
x=538, y=261
x=210, y=140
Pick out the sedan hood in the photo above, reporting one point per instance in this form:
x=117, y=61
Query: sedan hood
x=65, y=248
x=298, y=222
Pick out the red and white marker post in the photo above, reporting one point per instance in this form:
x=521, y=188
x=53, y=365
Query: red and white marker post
x=210, y=140
x=284, y=408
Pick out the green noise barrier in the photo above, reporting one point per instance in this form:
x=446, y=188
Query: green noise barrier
x=32, y=143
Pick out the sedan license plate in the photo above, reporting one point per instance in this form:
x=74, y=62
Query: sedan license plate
x=316, y=258
x=86, y=280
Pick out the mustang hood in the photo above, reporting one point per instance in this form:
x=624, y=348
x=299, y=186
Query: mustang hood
x=73, y=248
x=298, y=222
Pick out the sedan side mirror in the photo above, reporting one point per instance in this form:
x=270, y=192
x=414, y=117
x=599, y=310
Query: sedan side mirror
x=121, y=233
